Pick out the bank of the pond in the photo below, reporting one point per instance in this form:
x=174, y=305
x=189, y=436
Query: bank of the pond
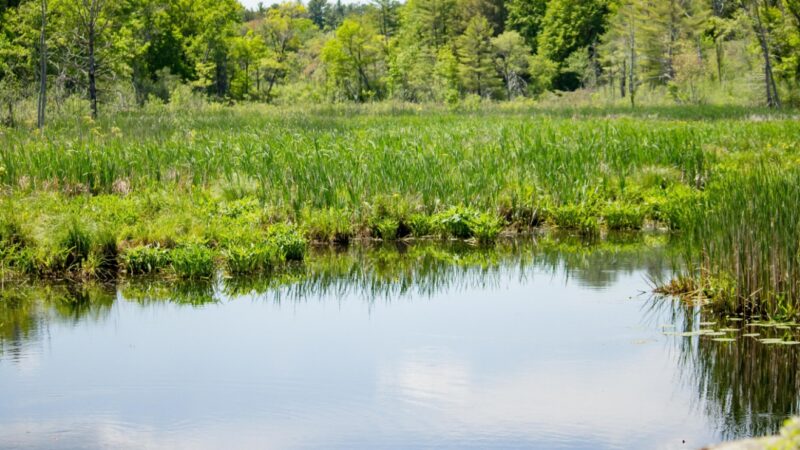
x=193, y=233
x=245, y=189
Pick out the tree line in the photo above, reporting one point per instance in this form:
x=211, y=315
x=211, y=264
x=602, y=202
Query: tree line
x=417, y=51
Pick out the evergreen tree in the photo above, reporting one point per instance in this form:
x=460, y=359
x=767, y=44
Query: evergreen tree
x=569, y=26
x=317, y=10
x=476, y=58
x=429, y=22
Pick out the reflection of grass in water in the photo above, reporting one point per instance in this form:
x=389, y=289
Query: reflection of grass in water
x=425, y=268
x=746, y=387
x=25, y=310
x=380, y=271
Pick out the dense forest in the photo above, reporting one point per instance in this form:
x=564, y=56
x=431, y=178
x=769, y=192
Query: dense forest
x=132, y=52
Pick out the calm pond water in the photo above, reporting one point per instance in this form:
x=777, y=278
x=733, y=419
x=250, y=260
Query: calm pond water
x=550, y=346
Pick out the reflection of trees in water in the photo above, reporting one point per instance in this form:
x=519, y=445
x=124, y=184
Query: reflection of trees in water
x=373, y=272
x=746, y=388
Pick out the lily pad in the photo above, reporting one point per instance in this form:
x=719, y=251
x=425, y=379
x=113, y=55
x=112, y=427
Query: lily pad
x=723, y=340
x=715, y=333
x=751, y=334
x=729, y=330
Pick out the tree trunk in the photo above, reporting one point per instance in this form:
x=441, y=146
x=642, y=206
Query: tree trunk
x=92, y=69
x=10, y=118
x=632, y=68
x=769, y=80
x=42, y=105
x=624, y=74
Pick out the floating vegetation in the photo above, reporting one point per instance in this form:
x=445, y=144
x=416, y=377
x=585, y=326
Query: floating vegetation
x=724, y=340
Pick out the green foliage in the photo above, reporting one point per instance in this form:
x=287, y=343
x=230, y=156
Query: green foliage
x=328, y=225
x=192, y=262
x=145, y=260
x=76, y=243
x=581, y=218
x=525, y=17
x=289, y=241
x=467, y=223
x=623, y=217
x=251, y=259
x=352, y=61
x=790, y=436
x=476, y=59
x=569, y=26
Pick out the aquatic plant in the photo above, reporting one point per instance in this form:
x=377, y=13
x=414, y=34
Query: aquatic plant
x=192, y=262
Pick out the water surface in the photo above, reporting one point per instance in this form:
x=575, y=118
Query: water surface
x=446, y=346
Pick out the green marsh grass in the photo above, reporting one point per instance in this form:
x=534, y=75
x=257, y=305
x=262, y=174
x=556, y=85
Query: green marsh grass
x=222, y=180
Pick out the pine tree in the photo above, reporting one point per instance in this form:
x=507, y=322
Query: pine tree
x=475, y=54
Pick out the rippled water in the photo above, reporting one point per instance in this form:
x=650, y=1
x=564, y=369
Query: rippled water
x=426, y=346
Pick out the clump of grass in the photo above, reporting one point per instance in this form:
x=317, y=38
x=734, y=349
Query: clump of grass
x=328, y=225
x=243, y=260
x=744, y=234
x=145, y=260
x=579, y=217
x=11, y=233
x=106, y=252
x=681, y=286
x=288, y=240
x=76, y=243
x=193, y=261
